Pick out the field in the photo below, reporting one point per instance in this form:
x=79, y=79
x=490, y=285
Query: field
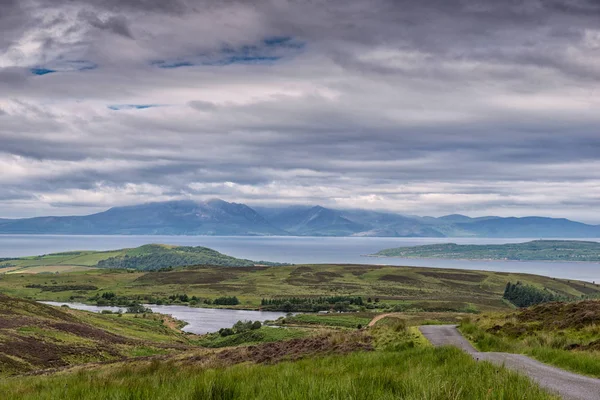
x=389, y=288
x=387, y=362
x=47, y=269
x=563, y=334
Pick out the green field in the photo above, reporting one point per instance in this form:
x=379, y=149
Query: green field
x=537, y=250
x=401, y=289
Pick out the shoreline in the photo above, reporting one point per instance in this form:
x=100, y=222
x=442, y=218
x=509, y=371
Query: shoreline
x=478, y=259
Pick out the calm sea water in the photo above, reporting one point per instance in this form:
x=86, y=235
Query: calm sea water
x=200, y=320
x=301, y=250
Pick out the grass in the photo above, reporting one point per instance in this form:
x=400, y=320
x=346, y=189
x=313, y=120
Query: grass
x=263, y=335
x=565, y=335
x=46, y=269
x=409, y=288
x=389, y=361
x=348, y=320
x=35, y=336
x=411, y=374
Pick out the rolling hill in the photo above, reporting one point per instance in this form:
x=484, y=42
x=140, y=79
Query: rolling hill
x=537, y=250
x=148, y=257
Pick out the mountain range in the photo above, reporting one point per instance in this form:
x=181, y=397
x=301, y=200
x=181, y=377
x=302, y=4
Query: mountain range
x=220, y=218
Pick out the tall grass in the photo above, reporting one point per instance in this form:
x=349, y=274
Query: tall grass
x=417, y=373
x=546, y=346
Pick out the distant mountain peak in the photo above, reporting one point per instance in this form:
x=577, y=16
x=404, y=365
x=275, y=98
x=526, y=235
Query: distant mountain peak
x=219, y=217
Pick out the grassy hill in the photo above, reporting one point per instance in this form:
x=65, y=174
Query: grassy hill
x=148, y=257
x=35, y=336
x=537, y=250
x=402, y=288
x=563, y=334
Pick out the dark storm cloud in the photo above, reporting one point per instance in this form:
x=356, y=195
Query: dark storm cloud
x=420, y=107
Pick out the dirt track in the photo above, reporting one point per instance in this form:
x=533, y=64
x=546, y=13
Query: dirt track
x=568, y=385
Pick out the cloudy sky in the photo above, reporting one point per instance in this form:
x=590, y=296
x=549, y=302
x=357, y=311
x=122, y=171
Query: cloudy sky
x=431, y=107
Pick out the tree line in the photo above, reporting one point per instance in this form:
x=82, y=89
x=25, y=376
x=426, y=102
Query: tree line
x=526, y=295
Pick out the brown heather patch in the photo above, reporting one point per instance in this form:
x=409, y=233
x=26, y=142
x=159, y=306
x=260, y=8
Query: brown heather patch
x=271, y=353
x=562, y=315
x=454, y=276
x=185, y=277
x=400, y=279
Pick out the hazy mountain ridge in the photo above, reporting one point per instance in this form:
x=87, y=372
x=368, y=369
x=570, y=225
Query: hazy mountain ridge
x=220, y=218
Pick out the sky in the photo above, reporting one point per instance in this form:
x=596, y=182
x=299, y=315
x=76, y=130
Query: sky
x=479, y=107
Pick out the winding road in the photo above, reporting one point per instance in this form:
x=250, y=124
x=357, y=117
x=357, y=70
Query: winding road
x=568, y=385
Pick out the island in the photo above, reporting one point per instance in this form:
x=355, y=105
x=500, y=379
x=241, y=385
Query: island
x=536, y=250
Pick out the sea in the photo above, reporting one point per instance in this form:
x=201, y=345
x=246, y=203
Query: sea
x=303, y=250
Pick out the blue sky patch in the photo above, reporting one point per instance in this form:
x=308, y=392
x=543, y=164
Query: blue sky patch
x=42, y=71
x=118, y=107
x=267, y=51
x=64, y=66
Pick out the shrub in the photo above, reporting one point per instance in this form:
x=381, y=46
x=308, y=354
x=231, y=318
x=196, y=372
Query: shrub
x=138, y=309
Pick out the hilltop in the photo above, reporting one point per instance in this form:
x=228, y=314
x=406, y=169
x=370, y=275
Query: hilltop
x=537, y=250
x=147, y=257
x=220, y=218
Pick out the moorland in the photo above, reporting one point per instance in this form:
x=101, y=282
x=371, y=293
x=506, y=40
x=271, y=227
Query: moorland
x=367, y=344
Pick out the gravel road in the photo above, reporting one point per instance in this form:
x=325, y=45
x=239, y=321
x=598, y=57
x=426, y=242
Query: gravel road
x=568, y=385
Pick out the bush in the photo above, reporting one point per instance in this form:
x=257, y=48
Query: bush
x=138, y=309
x=256, y=325
x=226, y=332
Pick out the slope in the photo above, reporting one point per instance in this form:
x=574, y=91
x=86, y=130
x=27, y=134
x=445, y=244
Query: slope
x=35, y=336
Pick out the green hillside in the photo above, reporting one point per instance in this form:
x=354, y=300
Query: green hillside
x=537, y=250
x=148, y=257
x=406, y=288
x=35, y=336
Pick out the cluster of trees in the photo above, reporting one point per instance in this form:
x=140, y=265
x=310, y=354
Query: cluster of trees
x=526, y=295
x=226, y=301
x=112, y=299
x=300, y=304
x=240, y=327
x=137, y=308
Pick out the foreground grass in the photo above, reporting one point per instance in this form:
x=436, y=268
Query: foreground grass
x=347, y=320
x=544, y=333
x=263, y=335
x=418, y=373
